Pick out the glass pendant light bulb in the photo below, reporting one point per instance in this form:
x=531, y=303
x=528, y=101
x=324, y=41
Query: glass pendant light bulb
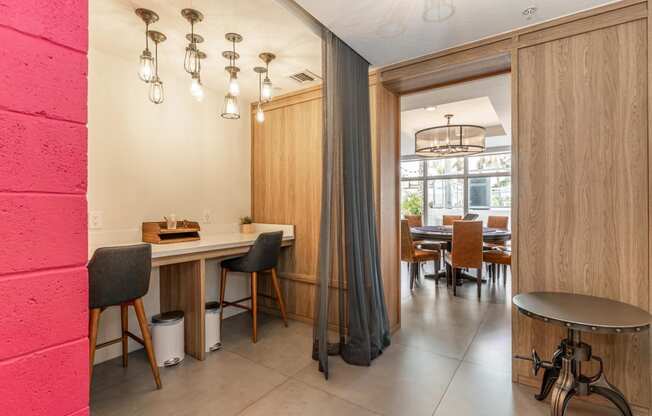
x=146, y=67
x=156, y=93
x=266, y=91
x=196, y=89
x=231, y=110
x=234, y=87
x=260, y=114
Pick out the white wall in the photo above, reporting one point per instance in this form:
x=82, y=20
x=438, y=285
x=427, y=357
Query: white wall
x=146, y=161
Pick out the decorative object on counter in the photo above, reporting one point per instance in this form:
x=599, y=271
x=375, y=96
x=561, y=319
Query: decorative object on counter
x=171, y=221
x=146, y=65
x=159, y=233
x=156, y=93
x=450, y=140
x=563, y=378
x=267, y=88
x=260, y=115
x=246, y=225
x=231, y=110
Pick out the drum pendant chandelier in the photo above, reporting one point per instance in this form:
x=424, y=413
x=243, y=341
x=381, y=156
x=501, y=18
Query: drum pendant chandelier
x=450, y=140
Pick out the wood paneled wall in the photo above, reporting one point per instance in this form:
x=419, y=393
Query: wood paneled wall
x=581, y=177
x=286, y=188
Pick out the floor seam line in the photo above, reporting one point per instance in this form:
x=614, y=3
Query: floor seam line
x=262, y=397
x=446, y=389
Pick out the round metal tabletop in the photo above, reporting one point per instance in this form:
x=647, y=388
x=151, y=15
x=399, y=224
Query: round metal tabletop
x=445, y=233
x=582, y=312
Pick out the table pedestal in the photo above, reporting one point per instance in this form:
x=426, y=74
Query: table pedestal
x=563, y=376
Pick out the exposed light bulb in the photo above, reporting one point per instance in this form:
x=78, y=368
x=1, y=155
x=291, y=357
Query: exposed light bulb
x=231, y=110
x=260, y=114
x=156, y=93
x=196, y=89
x=266, y=92
x=234, y=87
x=146, y=67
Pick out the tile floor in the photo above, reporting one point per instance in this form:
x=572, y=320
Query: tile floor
x=451, y=357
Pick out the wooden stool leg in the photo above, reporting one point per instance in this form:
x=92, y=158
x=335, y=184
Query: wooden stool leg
x=254, y=306
x=93, y=323
x=279, y=297
x=147, y=339
x=124, y=321
x=222, y=289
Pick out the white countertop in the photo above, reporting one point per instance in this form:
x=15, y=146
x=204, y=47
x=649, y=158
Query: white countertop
x=213, y=242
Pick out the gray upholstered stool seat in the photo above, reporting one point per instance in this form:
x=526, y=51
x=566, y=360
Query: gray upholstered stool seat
x=262, y=257
x=119, y=276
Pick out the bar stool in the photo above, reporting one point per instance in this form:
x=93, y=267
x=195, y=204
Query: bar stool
x=263, y=256
x=119, y=276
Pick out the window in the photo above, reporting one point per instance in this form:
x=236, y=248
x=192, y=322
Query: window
x=454, y=186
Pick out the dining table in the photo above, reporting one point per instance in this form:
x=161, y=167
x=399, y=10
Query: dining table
x=444, y=233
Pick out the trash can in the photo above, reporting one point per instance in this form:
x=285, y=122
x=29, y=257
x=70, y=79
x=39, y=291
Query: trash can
x=213, y=341
x=168, y=338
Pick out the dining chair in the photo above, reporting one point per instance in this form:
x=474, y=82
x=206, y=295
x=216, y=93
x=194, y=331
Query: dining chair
x=414, y=220
x=496, y=259
x=449, y=219
x=466, y=252
x=498, y=221
x=412, y=255
x=119, y=276
x=262, y=257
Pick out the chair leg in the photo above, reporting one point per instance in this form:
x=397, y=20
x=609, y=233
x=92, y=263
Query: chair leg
x=454, y=280
x=93, y=323
x=479, y=282
x=124, y=322
x=505, y=274
x=254, y=307
x=279, y=297
x=222, y=289
x=147, y=340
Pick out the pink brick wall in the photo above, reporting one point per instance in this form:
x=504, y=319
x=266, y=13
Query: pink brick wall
x=43, y=246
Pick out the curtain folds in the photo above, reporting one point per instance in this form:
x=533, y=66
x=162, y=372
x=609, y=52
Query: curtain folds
x=350, y=292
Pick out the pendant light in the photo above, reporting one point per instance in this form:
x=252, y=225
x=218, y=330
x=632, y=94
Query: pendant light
x=267, y=91
x=146, y=64
x=156, y=93
x=450, y=140
x=260, y=115
x=196, y=88
x=191, y=58
x=231, y=110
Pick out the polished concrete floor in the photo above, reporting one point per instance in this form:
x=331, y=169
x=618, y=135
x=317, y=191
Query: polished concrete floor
x=451, y=357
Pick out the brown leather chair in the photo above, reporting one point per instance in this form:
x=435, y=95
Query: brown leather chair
x=498, y=259
x=449, y=219
x=414, y=220
x=498, y=221
x=466, y=251
x=413, y=255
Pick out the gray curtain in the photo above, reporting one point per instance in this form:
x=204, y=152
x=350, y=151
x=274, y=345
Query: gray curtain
x=350, y=291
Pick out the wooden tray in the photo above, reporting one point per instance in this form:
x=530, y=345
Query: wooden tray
x=158, y=232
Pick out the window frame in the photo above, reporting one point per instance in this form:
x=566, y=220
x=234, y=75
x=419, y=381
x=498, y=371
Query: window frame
x=465, y=175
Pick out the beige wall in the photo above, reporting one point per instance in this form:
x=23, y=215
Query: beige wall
x=147, y=160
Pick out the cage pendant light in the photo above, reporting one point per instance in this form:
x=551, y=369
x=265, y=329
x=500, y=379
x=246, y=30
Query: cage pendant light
x=267, y=87
x=450, y=140
x=156, y=92
x=196, y=87
x=191, y=58
x=146, y=64
x=231, y=109
x=260, y=114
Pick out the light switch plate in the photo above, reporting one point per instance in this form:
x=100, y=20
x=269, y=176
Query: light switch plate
x=207, y=217
x=95, y=220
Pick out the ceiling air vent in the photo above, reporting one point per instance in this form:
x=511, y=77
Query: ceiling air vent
x=304, y=76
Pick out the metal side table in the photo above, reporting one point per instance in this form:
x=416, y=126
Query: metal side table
x=578, y=313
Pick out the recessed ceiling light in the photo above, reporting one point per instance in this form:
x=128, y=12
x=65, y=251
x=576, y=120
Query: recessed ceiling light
x=530, y=12
x=430, y=108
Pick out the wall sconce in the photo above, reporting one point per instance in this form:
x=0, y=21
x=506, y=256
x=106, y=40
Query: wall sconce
x=146, y=65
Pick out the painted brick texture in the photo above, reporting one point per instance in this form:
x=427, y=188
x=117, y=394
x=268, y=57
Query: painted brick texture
x=43, y=248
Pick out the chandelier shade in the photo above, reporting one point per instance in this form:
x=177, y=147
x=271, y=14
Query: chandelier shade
x=450, y=140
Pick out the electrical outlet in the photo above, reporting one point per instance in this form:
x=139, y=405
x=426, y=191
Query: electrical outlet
x=207, y=217
x=95, y=220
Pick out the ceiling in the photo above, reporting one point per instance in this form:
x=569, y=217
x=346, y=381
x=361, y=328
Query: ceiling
x=265, y=25
x=389, y=31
